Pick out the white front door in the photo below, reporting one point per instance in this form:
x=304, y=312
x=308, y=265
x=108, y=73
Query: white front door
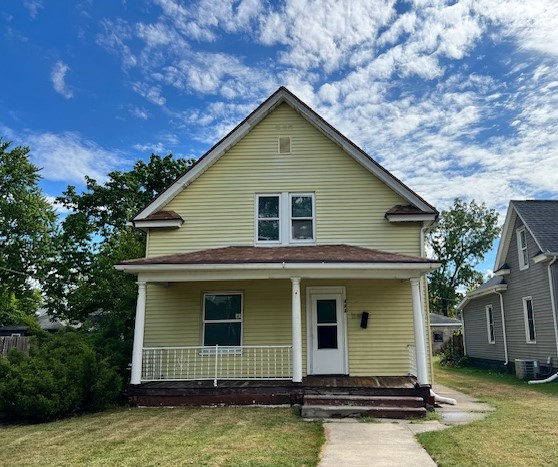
x=327, y=327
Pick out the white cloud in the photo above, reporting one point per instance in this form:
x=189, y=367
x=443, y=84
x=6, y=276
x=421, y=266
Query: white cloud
x=58, y=79
x=33, y=7
x=66, y=157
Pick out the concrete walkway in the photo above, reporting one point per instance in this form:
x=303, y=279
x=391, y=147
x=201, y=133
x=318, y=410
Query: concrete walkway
x=392, y=442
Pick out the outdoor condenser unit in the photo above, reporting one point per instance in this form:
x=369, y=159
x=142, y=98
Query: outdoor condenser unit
x=525, y=369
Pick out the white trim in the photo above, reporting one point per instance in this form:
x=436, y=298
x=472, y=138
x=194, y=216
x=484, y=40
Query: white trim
x=528, y=339
x=553, y=299
x=145, y=224
x=282, y=96
x=522, y=250
x=474, y=294
x=504, y=334
x=410, y=217
x=217, y=321
x=319, y=290
x=448, y=325
x=491, y=331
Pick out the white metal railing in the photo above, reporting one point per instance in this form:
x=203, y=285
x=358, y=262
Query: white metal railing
x=412, y=360
x=217, y=363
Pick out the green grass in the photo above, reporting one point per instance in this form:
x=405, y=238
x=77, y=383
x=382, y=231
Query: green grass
x=522, y=432
x=223, y=436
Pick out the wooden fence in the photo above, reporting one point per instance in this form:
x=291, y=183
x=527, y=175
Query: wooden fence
x=7, y=343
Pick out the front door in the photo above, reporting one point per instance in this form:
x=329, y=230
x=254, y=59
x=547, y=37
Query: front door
x=327, y=334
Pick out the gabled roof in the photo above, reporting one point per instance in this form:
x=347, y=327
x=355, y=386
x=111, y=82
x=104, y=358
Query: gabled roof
x=540, y=218
x=283, y=95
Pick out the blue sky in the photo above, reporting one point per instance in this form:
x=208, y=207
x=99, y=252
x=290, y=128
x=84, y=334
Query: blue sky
x=455, y=98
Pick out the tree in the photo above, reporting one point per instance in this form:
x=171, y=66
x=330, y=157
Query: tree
x=83, y=285
x=27, y=224
x=461, y=239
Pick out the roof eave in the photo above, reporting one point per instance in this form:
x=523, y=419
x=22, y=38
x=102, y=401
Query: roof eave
x=472, y=295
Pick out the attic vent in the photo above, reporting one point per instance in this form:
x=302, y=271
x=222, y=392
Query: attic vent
x=284, y=144
x=525, y=369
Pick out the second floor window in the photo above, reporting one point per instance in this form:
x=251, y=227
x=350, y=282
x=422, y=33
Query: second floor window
x=285, y=218
x=522, y=249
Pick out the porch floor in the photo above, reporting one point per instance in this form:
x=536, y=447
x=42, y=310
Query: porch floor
x=237, y=392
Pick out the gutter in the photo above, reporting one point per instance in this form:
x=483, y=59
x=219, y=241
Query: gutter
x=503, y=326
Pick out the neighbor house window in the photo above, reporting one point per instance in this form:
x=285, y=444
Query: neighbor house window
x=222, y=319
x=438, y=337
x=285, y=218
x=530, y=332
x=490, y=324
x=522, y=249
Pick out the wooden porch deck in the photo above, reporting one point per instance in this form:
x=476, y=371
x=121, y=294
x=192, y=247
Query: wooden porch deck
x=240, y=392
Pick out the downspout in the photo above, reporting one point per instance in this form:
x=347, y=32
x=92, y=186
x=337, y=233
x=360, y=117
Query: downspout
x=503, y=326
x=553, y=300
x=553, y=306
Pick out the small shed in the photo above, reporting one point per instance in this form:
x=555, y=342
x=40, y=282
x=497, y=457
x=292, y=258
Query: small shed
x=441, y=329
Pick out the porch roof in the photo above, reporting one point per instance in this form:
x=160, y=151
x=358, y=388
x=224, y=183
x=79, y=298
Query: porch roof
x=282, y=262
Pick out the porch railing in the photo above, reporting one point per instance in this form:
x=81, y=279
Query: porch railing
x=217, y=363
x=412, y=360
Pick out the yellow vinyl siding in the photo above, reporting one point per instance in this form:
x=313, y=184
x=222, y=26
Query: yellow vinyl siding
x=218, y=207
x=174, y=318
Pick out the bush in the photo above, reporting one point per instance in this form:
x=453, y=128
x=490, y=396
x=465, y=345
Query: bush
x=452, y=354
x=61, y=375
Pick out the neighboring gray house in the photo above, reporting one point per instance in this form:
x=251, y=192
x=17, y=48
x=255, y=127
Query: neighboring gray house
x=441, y=329
x=511, y=319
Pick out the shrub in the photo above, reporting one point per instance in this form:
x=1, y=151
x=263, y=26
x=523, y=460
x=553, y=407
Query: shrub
x=61, y=375
x=452, y=354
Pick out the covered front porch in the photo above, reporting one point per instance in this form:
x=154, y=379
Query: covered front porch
x=301, y=315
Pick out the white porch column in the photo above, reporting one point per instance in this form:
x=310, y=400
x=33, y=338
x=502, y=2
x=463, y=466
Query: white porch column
x=137, y=351
x=297, y=330
x=420, y=339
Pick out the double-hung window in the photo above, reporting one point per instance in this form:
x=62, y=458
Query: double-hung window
x=522, y=248
x=490, y=324
x=285, y=218
x=222, y=319
x=530, y=333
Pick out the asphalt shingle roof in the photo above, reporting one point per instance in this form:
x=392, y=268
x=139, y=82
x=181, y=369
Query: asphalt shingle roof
x=541, y=217
x=287, y=254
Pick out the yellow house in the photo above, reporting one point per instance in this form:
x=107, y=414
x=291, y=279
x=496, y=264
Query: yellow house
x=285, y=257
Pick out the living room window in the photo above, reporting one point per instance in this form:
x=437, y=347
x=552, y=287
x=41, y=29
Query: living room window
x=490, y=324
x=285, y=218
x=522, y=249
x=222, y=319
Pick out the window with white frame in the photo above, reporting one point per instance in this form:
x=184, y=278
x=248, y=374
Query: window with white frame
x=530, y=333
x=522, y=248
x=490, y=324
x=222, y=318
x=285, y=218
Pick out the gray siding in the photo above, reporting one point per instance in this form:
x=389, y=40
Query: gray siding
x=476, y=330
x=532, y=282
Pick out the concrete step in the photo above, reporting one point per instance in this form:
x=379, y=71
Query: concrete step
x=368, y=401
x=346, y=411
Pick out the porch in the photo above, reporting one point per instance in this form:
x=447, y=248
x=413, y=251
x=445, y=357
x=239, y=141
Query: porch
x=378, y=396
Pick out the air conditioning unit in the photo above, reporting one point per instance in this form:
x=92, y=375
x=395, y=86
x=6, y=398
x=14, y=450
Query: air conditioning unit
x=526, y=369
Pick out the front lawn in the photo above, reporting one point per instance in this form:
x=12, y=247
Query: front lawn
x=522, y=432
x=222, y=436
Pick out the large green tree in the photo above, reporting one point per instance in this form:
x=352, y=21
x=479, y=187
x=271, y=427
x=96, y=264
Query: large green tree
x=27, y=224
x=95, y=236
x=460, y=241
